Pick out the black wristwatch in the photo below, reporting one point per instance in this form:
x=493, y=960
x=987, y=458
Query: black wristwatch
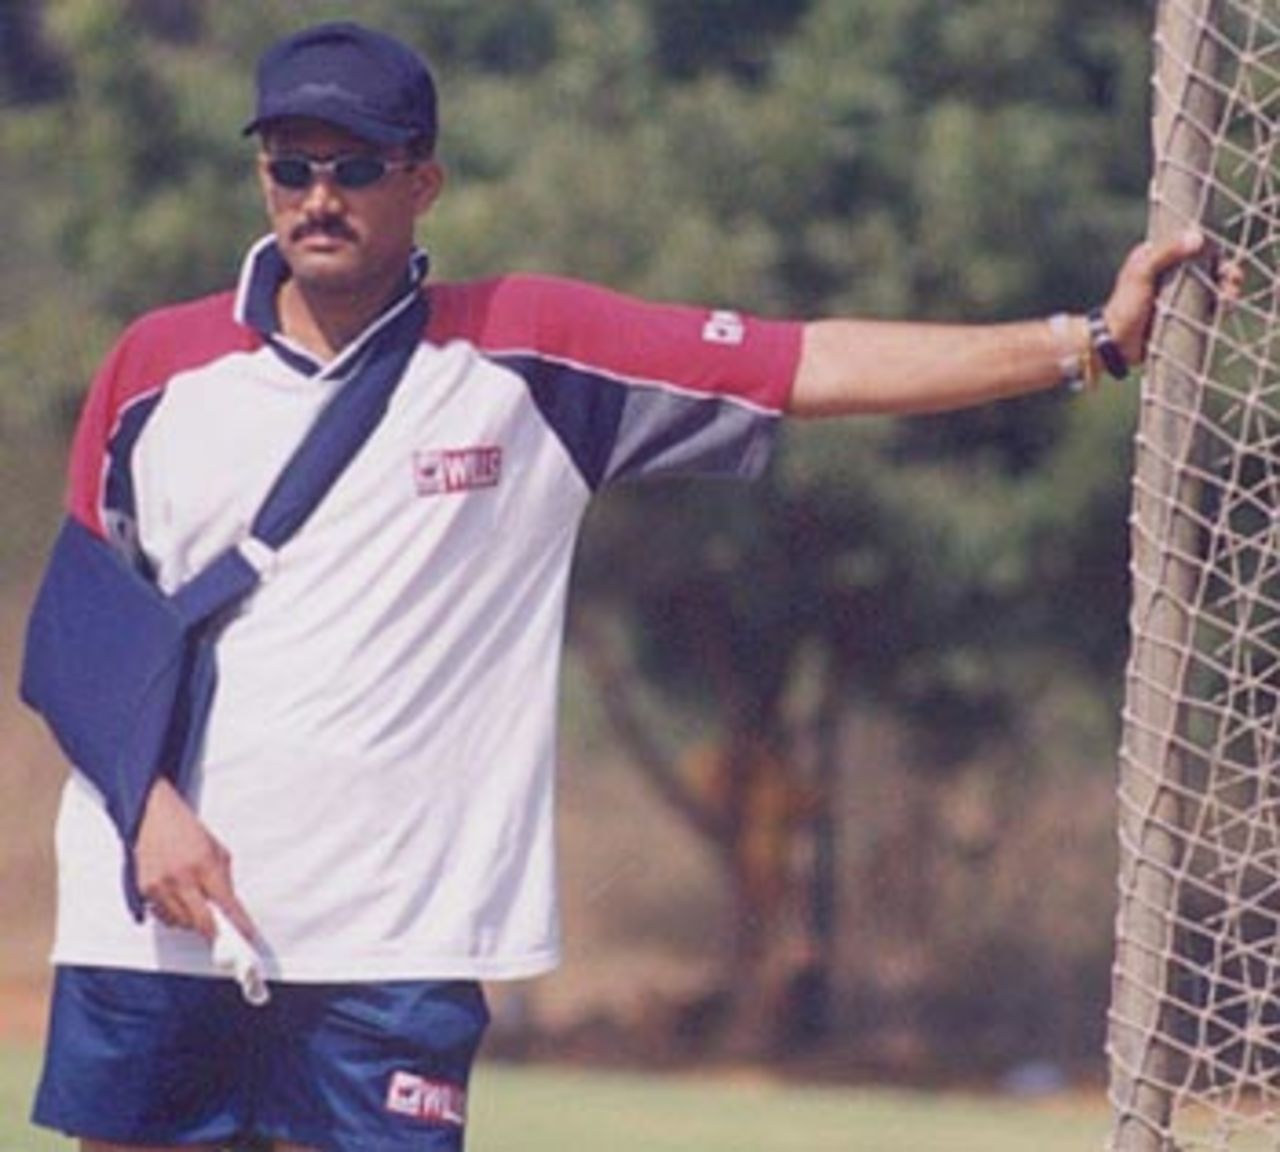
x=1105, y=345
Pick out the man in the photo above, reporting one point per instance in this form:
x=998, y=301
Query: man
x=377, y=760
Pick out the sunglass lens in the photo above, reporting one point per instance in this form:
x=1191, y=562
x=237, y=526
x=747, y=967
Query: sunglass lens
x=359, y=171
x=290, y=172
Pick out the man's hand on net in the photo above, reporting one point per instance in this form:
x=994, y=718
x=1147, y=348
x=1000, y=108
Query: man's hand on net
x=1130, y=309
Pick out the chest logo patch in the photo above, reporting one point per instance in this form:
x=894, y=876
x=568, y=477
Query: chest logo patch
x=444, y=471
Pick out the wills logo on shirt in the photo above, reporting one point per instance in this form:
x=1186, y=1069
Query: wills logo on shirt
x=429, y=1101
x=439, y=472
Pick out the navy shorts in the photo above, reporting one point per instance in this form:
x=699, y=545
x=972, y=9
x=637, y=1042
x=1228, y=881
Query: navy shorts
x=149, y=1058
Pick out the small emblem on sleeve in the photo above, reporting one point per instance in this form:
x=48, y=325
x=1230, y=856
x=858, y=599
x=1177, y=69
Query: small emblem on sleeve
x=428, y=1101
x=724, y=328
x=439, y=472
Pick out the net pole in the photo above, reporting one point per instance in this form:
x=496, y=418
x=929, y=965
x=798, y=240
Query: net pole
x=1164, y=542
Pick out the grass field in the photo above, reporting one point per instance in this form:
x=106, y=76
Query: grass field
x=541, y=1110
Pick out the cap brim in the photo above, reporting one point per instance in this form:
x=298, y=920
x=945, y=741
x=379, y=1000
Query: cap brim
x=342, y=116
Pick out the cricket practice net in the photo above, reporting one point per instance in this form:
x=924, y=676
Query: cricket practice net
x=1194, y=1028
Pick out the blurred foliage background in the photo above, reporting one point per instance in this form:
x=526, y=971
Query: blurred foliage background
x=874, y=696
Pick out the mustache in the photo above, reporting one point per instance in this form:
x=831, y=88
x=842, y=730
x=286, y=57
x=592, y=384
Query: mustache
x=323, y=226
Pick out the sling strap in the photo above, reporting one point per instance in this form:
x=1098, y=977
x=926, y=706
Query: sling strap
x=332, y=442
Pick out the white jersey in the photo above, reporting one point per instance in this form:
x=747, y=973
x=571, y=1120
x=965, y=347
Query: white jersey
x=380, y=754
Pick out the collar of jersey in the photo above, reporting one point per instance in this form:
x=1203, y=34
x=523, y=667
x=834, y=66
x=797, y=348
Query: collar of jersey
x=261, y=275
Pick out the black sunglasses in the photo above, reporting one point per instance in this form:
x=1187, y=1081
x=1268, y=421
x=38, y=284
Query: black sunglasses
x=298, y=173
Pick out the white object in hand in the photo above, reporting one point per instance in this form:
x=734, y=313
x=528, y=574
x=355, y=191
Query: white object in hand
x=235, y=956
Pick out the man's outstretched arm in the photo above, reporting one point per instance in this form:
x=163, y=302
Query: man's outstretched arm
x=849, y=367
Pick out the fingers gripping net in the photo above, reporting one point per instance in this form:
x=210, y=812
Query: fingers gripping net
x=1194, y=1039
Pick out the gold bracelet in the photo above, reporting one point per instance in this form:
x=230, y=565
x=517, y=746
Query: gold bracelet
x=1088, y=363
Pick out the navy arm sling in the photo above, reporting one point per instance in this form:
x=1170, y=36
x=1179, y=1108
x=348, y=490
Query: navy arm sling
x=123, y=674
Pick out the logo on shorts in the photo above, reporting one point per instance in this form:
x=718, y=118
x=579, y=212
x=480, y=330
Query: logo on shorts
x=428, y=1101
x=439, y=472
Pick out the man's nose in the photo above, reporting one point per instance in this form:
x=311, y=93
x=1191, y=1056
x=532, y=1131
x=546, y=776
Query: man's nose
x=323, y=197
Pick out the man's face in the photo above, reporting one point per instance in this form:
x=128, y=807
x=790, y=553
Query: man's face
x=344, y=240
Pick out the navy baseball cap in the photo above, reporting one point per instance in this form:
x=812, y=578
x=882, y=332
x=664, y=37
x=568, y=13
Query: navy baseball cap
x=354, y=77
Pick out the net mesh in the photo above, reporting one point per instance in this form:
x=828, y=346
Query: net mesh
x=1194, y=1030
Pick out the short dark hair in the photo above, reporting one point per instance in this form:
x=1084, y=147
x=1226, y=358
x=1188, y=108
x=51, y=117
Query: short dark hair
x=420, y=148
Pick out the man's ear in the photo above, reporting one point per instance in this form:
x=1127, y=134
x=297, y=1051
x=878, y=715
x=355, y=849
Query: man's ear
x=428, y=183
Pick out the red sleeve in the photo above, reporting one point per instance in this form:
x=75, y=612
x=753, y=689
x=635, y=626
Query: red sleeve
x=89, y=447
x=699, y=350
